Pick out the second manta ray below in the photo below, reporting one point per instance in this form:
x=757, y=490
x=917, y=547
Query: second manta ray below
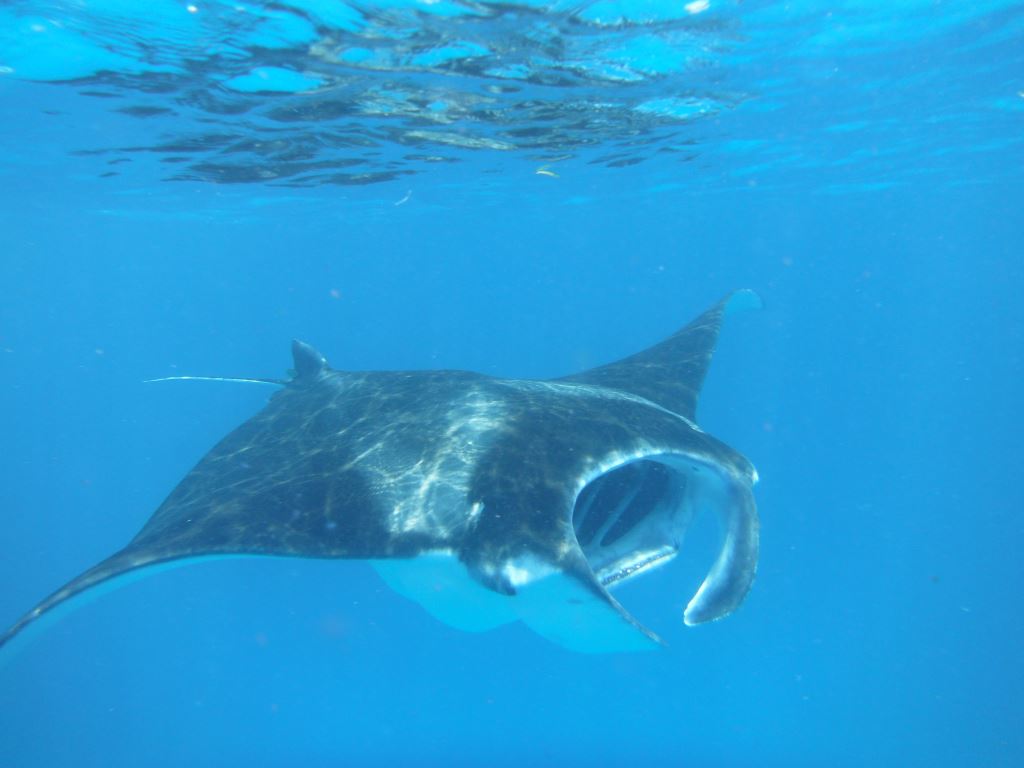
x=486, y=500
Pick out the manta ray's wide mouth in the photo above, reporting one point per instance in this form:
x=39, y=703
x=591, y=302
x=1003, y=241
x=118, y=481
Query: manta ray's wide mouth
x=633, y=518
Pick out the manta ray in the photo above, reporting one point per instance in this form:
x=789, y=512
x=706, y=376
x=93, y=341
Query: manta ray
x=486, y=500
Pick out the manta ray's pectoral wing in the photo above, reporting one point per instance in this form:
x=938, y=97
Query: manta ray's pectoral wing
x=271, y=487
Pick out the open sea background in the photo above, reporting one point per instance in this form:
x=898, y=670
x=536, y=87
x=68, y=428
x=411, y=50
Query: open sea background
x=522, y=190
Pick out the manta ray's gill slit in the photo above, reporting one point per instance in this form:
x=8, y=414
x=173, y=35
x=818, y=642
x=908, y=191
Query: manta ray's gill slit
x=631, y=518
x=653, y=487
x=601, y=500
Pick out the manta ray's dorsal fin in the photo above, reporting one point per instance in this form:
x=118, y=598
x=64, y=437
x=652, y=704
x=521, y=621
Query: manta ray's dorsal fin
x=671, y=373
x=308, y=361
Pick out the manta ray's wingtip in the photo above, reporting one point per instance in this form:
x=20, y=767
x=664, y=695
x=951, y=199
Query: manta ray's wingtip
x=742, y=300
x=116, y=570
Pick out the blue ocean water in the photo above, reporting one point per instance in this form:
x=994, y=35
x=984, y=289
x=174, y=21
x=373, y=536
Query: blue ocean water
x=525, y=190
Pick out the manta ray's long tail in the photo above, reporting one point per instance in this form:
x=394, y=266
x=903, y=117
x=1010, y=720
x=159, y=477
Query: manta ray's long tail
x=228, y=379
